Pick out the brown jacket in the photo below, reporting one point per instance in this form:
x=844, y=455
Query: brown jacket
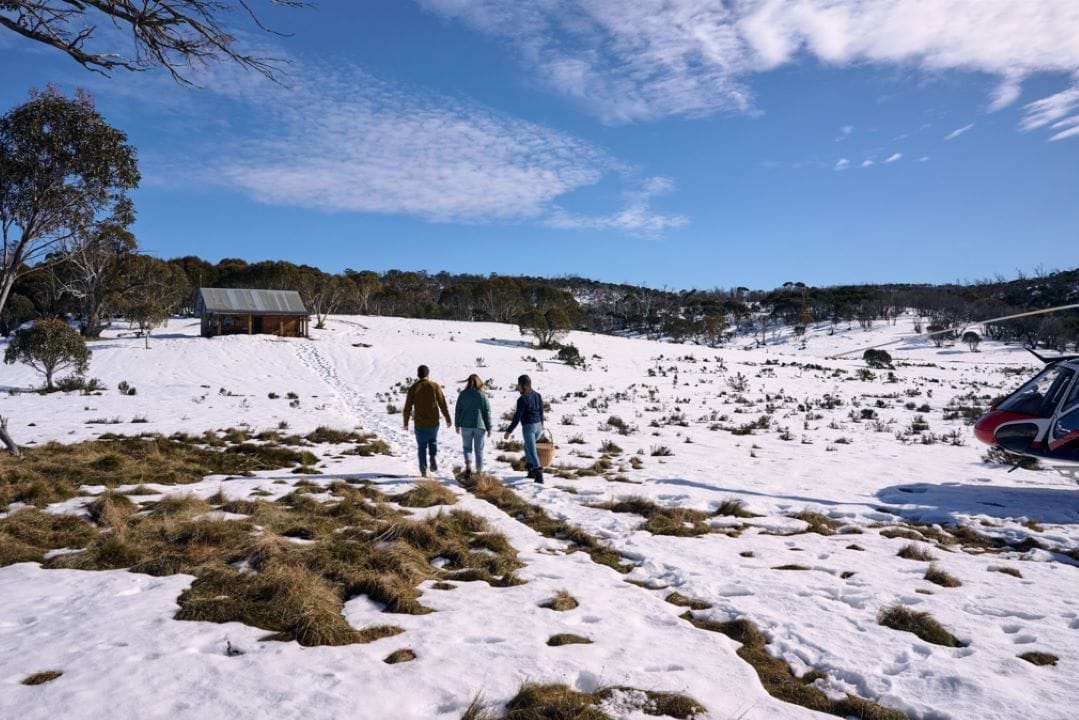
x=425, y=396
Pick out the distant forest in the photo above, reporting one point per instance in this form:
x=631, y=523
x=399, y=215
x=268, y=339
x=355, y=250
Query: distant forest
x=95, y=292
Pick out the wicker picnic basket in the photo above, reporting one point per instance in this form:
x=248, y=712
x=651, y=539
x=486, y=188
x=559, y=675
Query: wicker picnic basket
x=545, y=448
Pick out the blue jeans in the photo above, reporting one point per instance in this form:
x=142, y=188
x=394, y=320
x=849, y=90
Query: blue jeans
x=531, y=433
x=427, y=443
x=473, y=438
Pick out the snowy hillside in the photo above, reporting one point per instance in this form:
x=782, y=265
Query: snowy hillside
x=802, y=479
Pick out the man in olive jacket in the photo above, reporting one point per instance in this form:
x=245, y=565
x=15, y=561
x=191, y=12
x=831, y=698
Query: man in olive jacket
x=426, y=398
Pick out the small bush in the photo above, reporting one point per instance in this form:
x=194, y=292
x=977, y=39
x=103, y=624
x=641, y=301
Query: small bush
x=938, y=576
x=1037, y=658
x=910, y=551
x=879, y=359
x=661, y=451
x=400, y=656
x=125, y=388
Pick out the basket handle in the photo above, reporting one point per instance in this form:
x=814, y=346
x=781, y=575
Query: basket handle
x=550, y=437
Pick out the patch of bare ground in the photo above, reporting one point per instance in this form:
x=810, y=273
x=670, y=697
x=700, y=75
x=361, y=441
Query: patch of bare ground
x=426, y=493
x=676, y=598
x=488, y=488
x=567, y=639
x=400, y=656
x=660, y=520
x=816, y=523
x=558, y=702
x=780, y=681
x=253, y=571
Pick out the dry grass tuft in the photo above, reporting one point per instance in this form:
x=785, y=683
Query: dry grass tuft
x=1006, y=570
x=567, y=639
x=780, y=681
x=791, y=567
x=1039, y=658
x=400, y=656
x=734, y=508
x=921, y=624
x=681, y=600
x=28, y=533
x=42, y=677
x=910, y=551
x=558, y=702
x=561, y=602
x=660, y=520
x=937, y=575
x=426, y=494
x=488, y=488
x=817, y=523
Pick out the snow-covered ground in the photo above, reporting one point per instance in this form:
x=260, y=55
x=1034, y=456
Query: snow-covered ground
x=123, y=655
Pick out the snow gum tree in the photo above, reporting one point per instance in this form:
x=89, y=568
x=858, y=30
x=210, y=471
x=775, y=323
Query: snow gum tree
x=63, y=169
x=49, y=346
x=548, y=328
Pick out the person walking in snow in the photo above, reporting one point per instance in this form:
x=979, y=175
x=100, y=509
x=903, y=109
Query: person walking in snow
x=472, y=417
x=530, y=414
x=426, y=398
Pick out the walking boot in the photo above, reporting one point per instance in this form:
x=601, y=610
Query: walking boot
x=434, y=464
x=467, y=474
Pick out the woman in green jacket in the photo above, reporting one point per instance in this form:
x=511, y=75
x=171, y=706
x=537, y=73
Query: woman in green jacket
x=473, y=421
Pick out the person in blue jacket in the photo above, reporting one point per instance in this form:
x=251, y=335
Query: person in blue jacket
x=530, y=415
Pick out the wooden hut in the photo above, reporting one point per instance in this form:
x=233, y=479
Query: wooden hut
x=230, y=311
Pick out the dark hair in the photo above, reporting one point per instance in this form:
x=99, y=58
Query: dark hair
x=524, y=382
x=423, y=371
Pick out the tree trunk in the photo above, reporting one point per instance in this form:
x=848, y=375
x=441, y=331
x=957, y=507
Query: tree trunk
x=6, y=439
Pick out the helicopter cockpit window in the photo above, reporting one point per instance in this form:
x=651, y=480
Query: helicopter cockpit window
x=1041, y=396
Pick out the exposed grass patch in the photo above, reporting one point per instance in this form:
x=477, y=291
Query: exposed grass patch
x=558, y=702
x=660, y=520
x=780, y=681
x=676, y=598
x=1006, y=570
x=791, y=567
x=42, y=677
x=426, y=493
x=733, y=508
x=561, y=602
x=1039, y=658
x=817, y=523
x=487, y=487
x=910, y=551
x=399, y=656
x=567, y=639
x=936, y=574
x=922, y=624
x=359, y=544
x=54, y=472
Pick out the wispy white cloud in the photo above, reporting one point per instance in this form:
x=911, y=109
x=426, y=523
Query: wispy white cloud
x=842, y=164
x=923, y=158
x=867, y=163
x=636, y=218
x=957, y=132
x=341, y=140
x=893, y=158
x=1058, y=112
x=654, y=58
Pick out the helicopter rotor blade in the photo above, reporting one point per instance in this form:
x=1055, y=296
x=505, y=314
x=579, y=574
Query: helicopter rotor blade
x=953, y=328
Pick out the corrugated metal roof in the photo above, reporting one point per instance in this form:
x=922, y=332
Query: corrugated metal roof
x=234, y=300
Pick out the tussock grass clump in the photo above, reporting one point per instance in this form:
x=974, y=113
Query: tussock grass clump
x=399, y=656
x=910, y=551
x=733, y=508
x=28, y=533
x=780, y=681
x=1006, y=570
x=558, y=702
x=936, y=574
x=567, y=639
x=660, y=520
x=332, y=436
x=561, y=602
x=676, y=598
x=42, y=677
x=488, y=488
x=922, y=624
x=819, y=524
x=1039, y=658
x=426, y=493
x=905, y=533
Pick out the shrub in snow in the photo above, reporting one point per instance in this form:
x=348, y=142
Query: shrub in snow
x=48, y=346
x=879, y=359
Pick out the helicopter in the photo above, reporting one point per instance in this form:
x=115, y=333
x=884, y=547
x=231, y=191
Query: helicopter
x=1040, y=420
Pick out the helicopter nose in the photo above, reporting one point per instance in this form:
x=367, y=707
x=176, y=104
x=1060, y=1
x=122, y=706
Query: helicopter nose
x=986, y=427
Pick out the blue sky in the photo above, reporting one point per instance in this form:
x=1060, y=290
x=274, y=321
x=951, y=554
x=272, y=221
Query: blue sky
x=677, y=143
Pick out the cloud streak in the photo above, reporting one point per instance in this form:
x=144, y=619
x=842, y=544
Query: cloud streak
x=649, y=59
x=957, y=132
x=341, y=140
